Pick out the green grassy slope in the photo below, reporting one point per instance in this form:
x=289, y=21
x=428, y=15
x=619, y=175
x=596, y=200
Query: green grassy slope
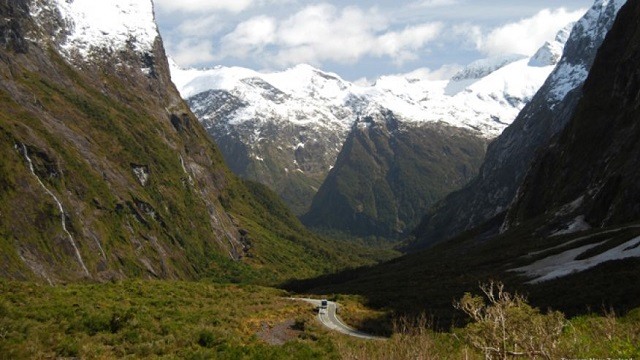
x=88, y=129
x=182, y=320
x=389, y=173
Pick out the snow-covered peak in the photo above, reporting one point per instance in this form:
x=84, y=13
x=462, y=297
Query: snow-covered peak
x=478, y=70
x=483, y=67
x=305, y=80
x=551, y=52
x=592, y=24
x=485, y=97
x=96, y=26
x=586, y=37
x=193, y=81
x=563, y=35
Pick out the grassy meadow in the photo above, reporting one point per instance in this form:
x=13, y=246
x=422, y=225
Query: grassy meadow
x=200, y=320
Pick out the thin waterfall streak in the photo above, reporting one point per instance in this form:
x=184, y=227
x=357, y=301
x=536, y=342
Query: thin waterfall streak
x=62, y=213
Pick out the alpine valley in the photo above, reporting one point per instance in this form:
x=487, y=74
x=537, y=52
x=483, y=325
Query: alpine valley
x=569, y=234
x=363, y=160
x=125, y=234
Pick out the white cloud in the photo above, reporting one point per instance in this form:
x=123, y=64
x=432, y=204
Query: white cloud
x=323, y=32
x=200, y=6
x=402, y=46
x=527, y=35
x=471, y=36
x=350, y=34
x=196, y=26
x=433, y=3
x=250, y=36
x=445, y=72
x=193, y=51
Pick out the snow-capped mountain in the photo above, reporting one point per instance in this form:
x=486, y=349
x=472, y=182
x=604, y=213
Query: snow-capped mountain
x=485, y=96
x=283, y=129
x=286, y=129
x=98, y=27
x=509, y=156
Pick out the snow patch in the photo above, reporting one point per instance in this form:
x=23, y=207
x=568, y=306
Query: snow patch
x=565, y=79
x=578, y=224
x=564, y=264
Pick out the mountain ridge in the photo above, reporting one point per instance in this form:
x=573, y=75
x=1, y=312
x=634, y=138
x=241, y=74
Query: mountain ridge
x=509, y=155
x=286, y=129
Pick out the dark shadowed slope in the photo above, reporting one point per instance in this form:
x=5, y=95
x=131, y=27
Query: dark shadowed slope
x=509, y=156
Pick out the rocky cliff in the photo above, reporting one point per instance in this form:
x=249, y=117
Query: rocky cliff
x=589, y=175
x=509, y=156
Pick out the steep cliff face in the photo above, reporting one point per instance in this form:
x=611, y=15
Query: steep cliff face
x=106, y=173
x=590, y=174
x=509, y=156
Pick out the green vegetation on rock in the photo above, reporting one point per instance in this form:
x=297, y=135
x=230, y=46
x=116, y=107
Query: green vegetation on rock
x=145, y=192
x=388, y=174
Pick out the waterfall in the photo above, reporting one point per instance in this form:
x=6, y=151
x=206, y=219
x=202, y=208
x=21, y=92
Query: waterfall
x=62, y=213
x=184, y=168
x=95, y=238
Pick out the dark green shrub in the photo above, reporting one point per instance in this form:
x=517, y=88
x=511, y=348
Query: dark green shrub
x=119, y=320
x=206, y=339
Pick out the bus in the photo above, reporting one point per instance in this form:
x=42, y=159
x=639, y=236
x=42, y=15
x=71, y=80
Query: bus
x=322, y=309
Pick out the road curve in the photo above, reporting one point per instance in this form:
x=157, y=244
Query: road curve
x=331, y=320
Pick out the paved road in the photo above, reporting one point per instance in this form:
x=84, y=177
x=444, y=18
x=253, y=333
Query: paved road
x=331, y=320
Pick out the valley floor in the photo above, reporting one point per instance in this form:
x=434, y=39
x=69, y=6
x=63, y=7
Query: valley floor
x=197, y=320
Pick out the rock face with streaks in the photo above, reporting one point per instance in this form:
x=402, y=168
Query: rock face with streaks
x=510, y=155
x=590, y=171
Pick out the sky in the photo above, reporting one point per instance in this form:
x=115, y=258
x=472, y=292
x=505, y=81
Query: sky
x=358, y=40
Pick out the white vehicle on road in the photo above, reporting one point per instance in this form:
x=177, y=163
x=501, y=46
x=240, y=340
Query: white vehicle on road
x=328, y=317
x=322, y=309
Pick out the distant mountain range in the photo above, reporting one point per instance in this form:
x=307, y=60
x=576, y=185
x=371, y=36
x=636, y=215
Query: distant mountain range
x=288, y=130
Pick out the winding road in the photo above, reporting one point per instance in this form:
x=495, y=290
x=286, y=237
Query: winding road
x=331, y=320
